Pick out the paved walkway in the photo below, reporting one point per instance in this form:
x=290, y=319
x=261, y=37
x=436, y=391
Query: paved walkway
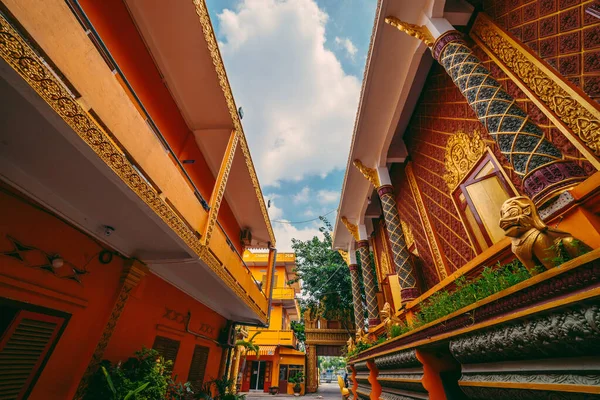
x=327, y=391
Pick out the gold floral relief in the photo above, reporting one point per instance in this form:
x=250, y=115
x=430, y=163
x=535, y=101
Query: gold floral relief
x=408, y=235
x=576, y=115
x=462, y=152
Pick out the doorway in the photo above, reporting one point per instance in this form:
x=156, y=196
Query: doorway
x=257, y=380
x=283, y=378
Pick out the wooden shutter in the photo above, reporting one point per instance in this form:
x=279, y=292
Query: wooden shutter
x=24, y=349
x=198, y=366
x=166, y=347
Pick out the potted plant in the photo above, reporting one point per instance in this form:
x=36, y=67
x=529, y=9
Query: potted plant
x=297, y=380
x=273, y=390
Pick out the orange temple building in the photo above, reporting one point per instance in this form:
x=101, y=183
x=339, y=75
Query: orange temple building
x=471, y=203
x=127, y=195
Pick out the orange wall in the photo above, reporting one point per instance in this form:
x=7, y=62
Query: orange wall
x=143, y=319
x=114, y=25
x=89, y=303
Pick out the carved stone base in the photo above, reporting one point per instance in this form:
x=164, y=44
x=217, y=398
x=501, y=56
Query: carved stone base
x=400, y=376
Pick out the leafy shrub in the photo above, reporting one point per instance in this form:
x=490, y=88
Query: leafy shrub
x=145, y=367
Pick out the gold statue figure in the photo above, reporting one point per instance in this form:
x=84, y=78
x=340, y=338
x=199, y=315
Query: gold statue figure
x=534, y=242
x=351, y=345
x=389, y=319
x=361, y=336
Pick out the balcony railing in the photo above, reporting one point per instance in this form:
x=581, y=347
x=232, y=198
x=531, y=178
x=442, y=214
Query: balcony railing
x=284, y=293
x=274, y=337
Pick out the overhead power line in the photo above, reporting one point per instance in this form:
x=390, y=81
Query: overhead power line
x=303, y=222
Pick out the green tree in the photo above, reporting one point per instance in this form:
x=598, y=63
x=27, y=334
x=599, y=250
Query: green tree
x=326, y=287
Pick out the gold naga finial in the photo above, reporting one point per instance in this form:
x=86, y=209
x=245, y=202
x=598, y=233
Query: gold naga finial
x=420, y=32
x=345, y=256
x=353, y=229
x=369, y=173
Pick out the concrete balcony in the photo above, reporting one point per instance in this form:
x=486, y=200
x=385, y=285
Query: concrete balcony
x=100, y=161
x=284, y=293
x=273, y=337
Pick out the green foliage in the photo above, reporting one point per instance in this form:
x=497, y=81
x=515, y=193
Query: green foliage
x=298, y=328
x=334, y=363
x=146, y=376
x=325, y=279
x=297, y=379
x=562, y=255
x=223, y=390
x=249, y=345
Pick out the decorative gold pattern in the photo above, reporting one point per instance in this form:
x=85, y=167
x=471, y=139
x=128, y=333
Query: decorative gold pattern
x=534, y=242
x=35, y=72
x=408, y=235
x=386, y=267
x=389, y=319
x=369, y=173
x=213, y=48
x=579, y=115
x=311, y=367
x=359, y=311
x=462, y=152
x=132, y=275
x=353, y=229
x=432, y=241
x=220, y=185
x=420, y=32
x=345, y=256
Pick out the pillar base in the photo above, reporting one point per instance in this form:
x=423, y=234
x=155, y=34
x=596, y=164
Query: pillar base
x=409, y=294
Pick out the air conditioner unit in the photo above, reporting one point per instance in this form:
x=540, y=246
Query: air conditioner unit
x=246, y=237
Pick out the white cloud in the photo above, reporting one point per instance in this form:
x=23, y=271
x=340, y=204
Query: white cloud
x=347, y=45
x=302, y=196
x=285, y=232
x=328, y=196
x=299, y=103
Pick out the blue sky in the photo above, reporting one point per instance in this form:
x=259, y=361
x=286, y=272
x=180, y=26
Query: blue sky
x=296, y=67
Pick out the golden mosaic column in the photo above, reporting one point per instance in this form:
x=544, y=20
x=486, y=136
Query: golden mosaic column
x=369, y=282
x=359, y=312
x=393, y=225
x=541, y=165
x=404, y=269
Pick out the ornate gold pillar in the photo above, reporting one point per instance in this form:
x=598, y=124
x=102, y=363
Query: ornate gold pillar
x=359, y=313
x=368, y=274
x=311, y=368
x=132, y=274
x=400, y=253
x=235, y=368
x=542, y=167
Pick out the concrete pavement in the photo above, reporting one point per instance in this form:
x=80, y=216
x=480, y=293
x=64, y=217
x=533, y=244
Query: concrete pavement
x=327, y=391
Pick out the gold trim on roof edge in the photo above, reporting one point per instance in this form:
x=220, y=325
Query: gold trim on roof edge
x=369, y=173
x=213, y=48
x=21, y=57
x=419, y=32
x=353, y=229
x=436, y=252
x=220, y=185
x=573, y=113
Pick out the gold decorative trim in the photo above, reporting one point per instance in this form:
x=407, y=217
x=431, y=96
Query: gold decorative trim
x=220, y=185
x=353, y=229
x=408, y=235
x=345, y=256
x=369, y=173
x=132, y=275
x=213, y=48
x=462, y=152
x=420, y=32
x=432, y=240
x=577, y=116
x=19, y=55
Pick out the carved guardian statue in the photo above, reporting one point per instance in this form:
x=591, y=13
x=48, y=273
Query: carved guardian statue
x=534, y=242
x=361, y=336
x=389, y=319
x=351, y=345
